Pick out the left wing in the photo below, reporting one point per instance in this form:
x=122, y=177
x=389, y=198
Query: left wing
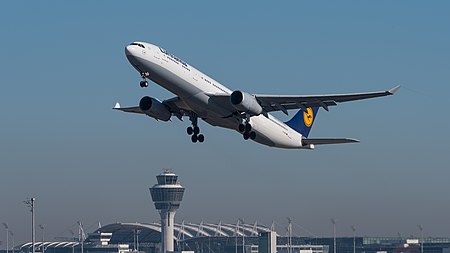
x=288, y=102
x=284, y=103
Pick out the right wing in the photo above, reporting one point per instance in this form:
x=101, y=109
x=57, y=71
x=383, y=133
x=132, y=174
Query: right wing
x=175, y=105
x=134, y=109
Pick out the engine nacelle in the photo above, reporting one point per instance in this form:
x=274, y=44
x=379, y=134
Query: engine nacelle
x=154, y=108
x=245, y=102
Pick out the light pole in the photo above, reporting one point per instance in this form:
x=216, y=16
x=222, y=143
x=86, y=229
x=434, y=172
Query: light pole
x=81, y=234
x=73, y=239
x=12, y=236
x=7, y=235
x=30, y=203
x=237, y=229
x=421, y=237
x=137, y=238
x=42, y=227
x=289, y=235
x=134, y=239
x=354, y=239
x=334, y=234
x=243, y=235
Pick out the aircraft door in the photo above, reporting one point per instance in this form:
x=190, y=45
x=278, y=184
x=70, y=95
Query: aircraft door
x=157, y=53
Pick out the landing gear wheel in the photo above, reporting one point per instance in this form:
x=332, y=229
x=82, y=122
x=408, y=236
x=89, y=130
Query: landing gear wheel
x=246, y=136
x=241, y=128
x=143, y=84
x=252, y=135
x=248, y=127
x=196, y=130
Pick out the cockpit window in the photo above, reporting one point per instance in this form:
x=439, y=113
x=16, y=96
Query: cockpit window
x=137, y=44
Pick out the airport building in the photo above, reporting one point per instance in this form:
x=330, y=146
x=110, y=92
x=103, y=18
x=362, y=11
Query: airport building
x=229, y=238
x=167, y=236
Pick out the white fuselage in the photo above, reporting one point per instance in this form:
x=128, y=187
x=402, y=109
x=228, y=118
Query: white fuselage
x=193, y=88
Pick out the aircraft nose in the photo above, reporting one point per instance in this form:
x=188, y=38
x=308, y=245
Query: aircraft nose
x=129, y=50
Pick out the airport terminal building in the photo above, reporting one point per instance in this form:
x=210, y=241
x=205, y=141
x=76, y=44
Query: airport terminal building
x=229, y=238
x=168, y=236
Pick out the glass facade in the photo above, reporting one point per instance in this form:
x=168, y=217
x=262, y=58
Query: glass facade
x=167, y=194
x=167, y=179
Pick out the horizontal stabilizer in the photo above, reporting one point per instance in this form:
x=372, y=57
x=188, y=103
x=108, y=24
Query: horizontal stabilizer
x=134, y=109
x=324, y=141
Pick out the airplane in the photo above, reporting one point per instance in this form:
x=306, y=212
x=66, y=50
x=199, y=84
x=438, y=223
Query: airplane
x=199, y=96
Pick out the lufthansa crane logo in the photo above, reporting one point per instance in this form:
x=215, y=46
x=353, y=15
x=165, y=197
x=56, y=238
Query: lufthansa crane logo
x=308, y=117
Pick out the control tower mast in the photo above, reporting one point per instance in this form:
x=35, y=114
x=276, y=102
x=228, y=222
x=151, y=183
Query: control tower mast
x=167, y=196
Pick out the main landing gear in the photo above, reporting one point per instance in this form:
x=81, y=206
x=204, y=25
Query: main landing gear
x=246, y=130
x=144, y=83
x=194, y=130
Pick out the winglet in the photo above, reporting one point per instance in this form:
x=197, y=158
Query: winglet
x=394, y=90
x=117, y=106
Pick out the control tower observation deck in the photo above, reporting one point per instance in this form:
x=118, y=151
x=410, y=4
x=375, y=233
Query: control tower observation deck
x=167, y=196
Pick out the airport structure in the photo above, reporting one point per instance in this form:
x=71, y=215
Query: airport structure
x=167, y=195
x=222, y=237
x=229, y=238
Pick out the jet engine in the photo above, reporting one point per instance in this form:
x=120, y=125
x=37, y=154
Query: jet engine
x=154, y=108
x=245, y=102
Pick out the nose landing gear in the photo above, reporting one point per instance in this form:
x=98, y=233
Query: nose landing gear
x=144, y=83
x=194, y=130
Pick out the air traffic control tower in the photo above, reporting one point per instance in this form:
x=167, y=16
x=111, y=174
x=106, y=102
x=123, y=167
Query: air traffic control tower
x=167, y=196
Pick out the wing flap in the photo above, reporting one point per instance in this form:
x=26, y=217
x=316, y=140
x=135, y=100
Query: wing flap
x=324, y=141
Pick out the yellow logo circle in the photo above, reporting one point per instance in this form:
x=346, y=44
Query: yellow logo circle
x=308, y=117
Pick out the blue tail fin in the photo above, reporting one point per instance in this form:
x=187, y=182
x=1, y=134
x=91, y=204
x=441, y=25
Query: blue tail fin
x=302, y=121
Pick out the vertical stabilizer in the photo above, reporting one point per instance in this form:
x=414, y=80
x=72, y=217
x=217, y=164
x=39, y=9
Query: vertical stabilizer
x=302, y=122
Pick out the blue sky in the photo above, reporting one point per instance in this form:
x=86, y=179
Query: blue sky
x=63, y=67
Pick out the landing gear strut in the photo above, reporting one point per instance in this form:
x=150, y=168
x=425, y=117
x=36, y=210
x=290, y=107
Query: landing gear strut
x=144, y=83
x=246, y=129
x=194, y=130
